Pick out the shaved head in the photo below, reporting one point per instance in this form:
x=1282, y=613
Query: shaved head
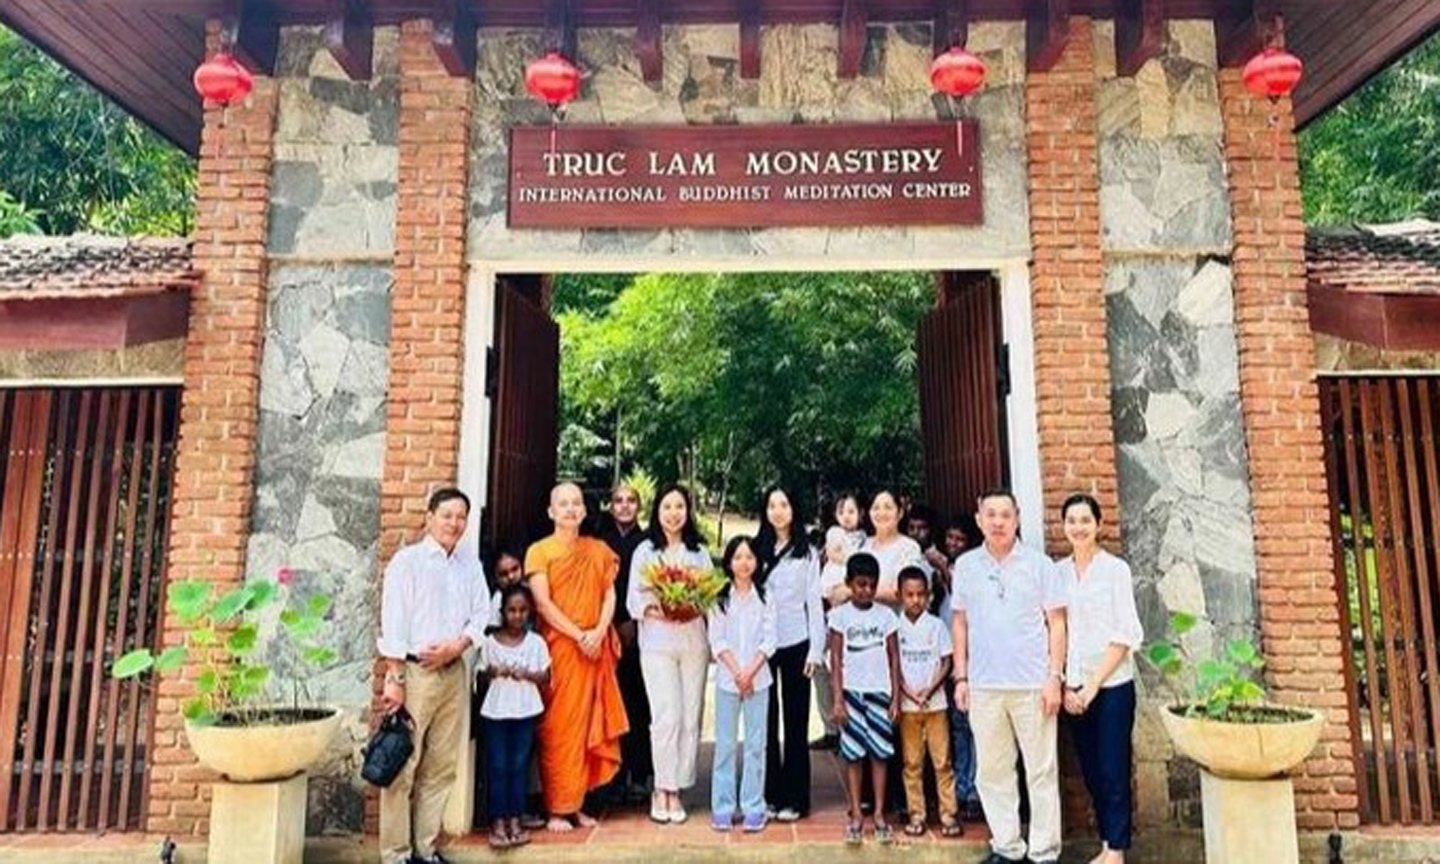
x=563, y=488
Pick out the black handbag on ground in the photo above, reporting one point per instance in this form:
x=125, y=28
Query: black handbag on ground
x=389, y=749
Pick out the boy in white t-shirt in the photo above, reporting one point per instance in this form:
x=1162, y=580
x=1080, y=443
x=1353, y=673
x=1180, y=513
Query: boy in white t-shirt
x=924, y=725
x=864, y=676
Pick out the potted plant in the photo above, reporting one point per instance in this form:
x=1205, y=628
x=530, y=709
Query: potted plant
x=234, y=726
x=1219, y=715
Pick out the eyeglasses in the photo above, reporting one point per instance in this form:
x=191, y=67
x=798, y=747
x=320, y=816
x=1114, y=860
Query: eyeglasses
x=994, y=577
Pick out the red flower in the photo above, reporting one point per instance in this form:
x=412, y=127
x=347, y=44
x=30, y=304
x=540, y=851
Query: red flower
x=285, y=576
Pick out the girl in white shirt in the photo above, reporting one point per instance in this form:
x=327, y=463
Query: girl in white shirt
x=792, y=582
x=742, y=640
x=674, y=655
x=518, y=665
x=1104, y=630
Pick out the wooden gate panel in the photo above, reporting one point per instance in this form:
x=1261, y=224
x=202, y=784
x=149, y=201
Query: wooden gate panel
x=961, y=386
x=1385, y=514
x=523, y=431
x=78, y=740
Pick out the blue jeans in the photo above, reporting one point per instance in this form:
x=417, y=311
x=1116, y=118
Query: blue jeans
x=728, y=709
x=962, y=756
x=508, y=744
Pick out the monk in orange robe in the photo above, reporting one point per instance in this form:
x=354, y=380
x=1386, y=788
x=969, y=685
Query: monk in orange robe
x=573, y=579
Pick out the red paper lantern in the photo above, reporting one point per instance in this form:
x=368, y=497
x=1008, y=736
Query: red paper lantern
x=957, y=72
x=223, y=80
x=1273, y=73
x=552, y=79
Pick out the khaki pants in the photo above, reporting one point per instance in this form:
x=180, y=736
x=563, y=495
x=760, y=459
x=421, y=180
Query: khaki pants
x=412, y=807
x=1001, y=719
x=922, y=731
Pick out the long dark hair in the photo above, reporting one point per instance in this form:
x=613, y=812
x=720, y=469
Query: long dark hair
x=766, y=538
x=760, y=569
x=689, y=532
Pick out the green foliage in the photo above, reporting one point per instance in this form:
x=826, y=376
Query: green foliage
x=230, y=677
x=76, y=161
x=806, y=379
x=1218, y=687
x=16, y=218
x=1375, y=157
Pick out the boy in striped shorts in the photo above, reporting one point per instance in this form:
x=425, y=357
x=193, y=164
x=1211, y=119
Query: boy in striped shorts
x=865, y=670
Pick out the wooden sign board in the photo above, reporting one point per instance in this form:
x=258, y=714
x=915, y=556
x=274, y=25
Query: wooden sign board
x=744, y=176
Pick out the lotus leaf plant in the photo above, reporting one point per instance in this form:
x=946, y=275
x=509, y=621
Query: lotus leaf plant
x=1221, y=687
x=222, y=639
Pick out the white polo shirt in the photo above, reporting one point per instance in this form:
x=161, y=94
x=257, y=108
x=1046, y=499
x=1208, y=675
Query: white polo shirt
x=1005, y=605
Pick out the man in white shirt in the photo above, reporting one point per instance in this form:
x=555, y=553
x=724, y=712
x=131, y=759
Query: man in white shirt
x=434, y=608
x=1008, y=605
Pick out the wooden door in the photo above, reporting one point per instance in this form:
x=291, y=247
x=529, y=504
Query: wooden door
x=83, y=512
x=963, y=383
x=524, y=384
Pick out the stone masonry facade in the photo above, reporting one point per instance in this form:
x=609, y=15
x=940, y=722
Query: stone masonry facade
x=1184, y=485
x=1158, y=214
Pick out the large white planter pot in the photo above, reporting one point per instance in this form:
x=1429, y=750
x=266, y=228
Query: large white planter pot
x=1244, y=751
x=262, y=752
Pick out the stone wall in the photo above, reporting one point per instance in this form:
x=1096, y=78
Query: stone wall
x=324, y=375
x=1184, y=485
x=1333, y=354
x=797, y=84
x=148, y=361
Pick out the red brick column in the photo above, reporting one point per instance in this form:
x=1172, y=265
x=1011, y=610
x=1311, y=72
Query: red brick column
x=422, y=411
x=422, y=426
x=1299, y=618
x=215, y=459
x=1067, y=283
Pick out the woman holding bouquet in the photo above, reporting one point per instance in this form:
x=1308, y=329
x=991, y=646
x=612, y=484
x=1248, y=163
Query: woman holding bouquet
x=674, y=653
x=793, y=586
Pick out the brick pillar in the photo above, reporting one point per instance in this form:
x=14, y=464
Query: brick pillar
x=215, y=459
x=1067, y=283
x=422, y=426
x=1299, y=616
x=422, y=410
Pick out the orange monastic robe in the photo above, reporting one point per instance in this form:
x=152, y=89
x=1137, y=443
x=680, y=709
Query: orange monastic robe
x=584, y=713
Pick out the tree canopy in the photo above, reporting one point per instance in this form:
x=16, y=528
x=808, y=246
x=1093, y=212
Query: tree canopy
x=71, y=160
x=1375, y=157
x=738, y=380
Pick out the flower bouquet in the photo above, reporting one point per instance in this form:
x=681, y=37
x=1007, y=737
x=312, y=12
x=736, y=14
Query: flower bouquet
x=684, y=593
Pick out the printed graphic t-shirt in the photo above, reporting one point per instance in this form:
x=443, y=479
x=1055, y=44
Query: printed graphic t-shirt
x=864, y=631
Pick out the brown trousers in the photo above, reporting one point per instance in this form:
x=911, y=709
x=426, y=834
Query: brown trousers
x=413, y=806
x=922, y=731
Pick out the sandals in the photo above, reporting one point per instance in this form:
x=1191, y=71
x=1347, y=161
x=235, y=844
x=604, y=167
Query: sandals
x=501, y=839
x=883, y=836
x=915, y=829
x=952, y=829
x=853, y=834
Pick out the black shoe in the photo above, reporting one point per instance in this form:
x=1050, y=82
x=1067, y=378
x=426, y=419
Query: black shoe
x=437, y=858
x=997, y=858
x=825, y=742
x=971, y=811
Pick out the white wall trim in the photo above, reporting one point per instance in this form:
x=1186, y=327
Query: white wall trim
x=1022, y=425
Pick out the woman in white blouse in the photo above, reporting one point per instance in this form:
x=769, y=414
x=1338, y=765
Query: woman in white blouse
x=1104, y=631
x=792, y=588
x=674, y=656
x=892, y=549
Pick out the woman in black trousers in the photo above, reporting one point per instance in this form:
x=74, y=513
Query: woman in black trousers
x=1103, y=631
x=792, y=587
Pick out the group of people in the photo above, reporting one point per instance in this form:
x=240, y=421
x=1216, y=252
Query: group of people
x=916, y=644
